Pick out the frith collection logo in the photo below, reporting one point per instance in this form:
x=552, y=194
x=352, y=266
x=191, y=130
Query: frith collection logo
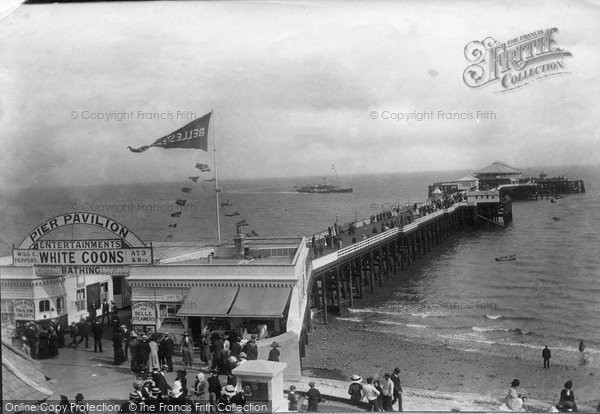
x=516, y=62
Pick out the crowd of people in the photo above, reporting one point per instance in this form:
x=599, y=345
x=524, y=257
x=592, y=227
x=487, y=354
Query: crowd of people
x=395, y=217
x=379, y=394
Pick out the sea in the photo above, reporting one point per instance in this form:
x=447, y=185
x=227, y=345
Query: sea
x=458, y=294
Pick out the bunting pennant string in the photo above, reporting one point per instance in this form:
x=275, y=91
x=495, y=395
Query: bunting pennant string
x=173, y=225
x=194, y=179
x=180, y=202
x=235, y=213
x=186, y=189
x=226, y=203
x=176, y=214
x=203, y=167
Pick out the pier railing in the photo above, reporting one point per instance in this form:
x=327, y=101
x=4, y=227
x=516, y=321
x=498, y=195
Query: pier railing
x=386, y=235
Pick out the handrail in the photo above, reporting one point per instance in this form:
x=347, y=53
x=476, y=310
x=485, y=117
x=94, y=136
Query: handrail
x=332, y=257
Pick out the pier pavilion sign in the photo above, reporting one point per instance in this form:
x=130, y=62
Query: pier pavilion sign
x=516, y=62
x=81, y=256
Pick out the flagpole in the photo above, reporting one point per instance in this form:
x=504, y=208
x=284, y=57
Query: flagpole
x=216, y=180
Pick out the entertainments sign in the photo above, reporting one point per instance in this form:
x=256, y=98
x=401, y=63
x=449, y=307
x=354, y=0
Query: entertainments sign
x=143, y=313
x=516, y=62
x=28, y=257
x=24, y=310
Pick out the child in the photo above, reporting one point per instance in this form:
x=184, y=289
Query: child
x=293, y=399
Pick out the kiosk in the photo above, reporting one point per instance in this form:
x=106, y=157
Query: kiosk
x=265, y=379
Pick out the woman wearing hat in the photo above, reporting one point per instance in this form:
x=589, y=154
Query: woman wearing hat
x=355, y=389
x=153, y=360
x=201, y=388
x=567, y=398
x=274, y=352
x=513, y=401
x=224, y=404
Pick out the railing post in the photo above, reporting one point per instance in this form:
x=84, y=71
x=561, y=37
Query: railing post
x=339, y=290
x=324, y=298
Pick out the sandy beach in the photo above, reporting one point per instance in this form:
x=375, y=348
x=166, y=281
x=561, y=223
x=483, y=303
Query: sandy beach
x=343, y=348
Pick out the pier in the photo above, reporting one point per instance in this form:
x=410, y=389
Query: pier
x=340, y=277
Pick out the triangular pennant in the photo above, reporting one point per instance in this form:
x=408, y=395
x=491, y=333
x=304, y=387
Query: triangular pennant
x=180, y=202
x=235, y=213
x=194, y=179
x=186, y=189
x=176, y=214
x=173, y=225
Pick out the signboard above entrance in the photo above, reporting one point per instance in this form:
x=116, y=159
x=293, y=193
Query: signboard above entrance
x=51, y=270
x=24, y=310
x=91, y=219
x=27, y=257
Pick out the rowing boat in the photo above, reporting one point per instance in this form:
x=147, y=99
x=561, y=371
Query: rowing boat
x=506, y=258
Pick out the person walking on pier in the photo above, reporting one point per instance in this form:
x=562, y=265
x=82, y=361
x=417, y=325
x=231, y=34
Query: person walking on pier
x=546, y=355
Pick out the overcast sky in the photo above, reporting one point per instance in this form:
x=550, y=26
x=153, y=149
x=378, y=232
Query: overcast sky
x=292, y=87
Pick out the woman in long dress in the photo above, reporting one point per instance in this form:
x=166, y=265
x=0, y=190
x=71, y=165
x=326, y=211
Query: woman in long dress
x=153, y=361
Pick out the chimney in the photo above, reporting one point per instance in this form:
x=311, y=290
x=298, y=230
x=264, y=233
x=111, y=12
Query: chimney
x=239, y=245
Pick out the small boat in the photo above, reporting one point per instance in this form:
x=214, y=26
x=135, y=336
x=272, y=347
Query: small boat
x=508, y=258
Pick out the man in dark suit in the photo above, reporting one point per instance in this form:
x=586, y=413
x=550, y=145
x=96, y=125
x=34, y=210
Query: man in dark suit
x=97, y=334
x=160, y=381
x=85, y=330
x=397, y=395
x=546, y=355
x=143, y=353
x=214, y=385
x=168, y=348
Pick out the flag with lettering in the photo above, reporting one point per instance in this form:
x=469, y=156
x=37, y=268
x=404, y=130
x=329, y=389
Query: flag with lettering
x=192, y=136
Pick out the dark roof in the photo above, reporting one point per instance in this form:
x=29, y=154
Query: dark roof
x=22, y=378
x=498, y=167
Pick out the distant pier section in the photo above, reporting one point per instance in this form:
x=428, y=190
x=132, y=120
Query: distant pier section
x=509, y=181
